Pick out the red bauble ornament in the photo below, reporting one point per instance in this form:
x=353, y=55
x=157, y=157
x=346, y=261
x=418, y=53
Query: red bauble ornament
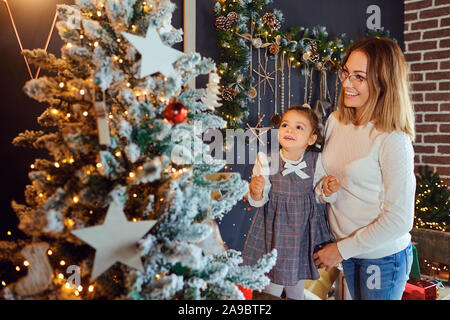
x=175, y=112
x=248, y=293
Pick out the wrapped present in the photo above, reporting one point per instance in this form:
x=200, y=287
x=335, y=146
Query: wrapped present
x=417, y=289
x=248, y=293
x=322, y=286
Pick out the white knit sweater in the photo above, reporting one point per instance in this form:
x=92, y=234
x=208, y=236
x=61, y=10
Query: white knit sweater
x=373, y=211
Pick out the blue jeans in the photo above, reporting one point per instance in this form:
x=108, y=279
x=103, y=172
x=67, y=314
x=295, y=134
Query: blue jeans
x=378, y=279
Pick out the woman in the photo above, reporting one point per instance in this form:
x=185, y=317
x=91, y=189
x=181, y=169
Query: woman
x=368, y=149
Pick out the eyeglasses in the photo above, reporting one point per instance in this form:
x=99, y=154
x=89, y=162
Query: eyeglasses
x=359, y=79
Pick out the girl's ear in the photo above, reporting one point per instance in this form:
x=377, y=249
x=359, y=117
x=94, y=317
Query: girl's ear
x=312, y=139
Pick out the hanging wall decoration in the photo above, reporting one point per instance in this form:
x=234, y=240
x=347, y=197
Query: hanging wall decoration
x=245, y=26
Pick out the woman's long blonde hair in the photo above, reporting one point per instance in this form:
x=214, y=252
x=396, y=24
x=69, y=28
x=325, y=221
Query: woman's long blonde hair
x=389, y=104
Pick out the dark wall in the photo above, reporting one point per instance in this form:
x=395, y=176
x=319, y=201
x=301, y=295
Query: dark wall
x=33, y=20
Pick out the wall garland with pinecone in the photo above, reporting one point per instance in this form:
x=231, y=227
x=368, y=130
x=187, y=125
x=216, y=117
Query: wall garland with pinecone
x=245, y=26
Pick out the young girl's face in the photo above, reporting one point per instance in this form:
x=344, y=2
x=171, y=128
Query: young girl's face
x=296, y=131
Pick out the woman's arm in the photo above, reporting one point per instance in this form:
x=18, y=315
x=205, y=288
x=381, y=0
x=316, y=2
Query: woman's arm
x=396, y=160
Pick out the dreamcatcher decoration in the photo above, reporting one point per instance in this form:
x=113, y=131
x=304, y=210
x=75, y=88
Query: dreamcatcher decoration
x=283, y=79
x=264, y=79
x=274, y=49
x=311, y=56
x=20, y=42
x=323, y=105
x=289, y=64
x=257, y=43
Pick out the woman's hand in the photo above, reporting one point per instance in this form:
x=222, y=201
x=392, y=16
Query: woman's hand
x=328, y=257
x=329, y=185
x=257, y=187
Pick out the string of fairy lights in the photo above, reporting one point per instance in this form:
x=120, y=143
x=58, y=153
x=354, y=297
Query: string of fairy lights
x=419, y=223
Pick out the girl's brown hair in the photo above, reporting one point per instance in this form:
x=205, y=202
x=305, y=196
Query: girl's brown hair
x=313, y=120
x=389, y=104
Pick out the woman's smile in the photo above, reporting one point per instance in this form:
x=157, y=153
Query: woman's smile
x=351, y=95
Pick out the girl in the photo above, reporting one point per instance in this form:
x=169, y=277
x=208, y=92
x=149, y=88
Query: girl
x=368, y=146
x=290, y=220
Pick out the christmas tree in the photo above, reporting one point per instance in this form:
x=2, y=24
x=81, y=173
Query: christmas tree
x=432, y=206
x=123, y=207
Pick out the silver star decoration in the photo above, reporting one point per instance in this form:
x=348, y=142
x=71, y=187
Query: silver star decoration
x=156, y=56
x=115, y=240
x=262, y=130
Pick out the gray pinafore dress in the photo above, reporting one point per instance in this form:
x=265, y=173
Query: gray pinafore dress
x=293, y=223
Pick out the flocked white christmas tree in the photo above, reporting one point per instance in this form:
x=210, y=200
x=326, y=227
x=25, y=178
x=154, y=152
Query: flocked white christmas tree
x=121, y=199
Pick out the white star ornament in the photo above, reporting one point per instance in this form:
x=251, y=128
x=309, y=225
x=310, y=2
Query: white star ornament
x=115, y=240
x=156, y=56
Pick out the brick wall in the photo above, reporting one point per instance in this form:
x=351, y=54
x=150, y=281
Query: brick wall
x=427, y=50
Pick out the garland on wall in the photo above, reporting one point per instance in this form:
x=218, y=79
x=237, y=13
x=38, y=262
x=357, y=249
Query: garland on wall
x=245, y=27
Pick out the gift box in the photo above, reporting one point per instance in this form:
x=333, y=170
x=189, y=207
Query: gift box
x=417, y=289
x=248, y=293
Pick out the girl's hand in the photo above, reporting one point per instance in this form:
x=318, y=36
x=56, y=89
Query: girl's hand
x=328, y=257
x=329, y=185
x=257, y=187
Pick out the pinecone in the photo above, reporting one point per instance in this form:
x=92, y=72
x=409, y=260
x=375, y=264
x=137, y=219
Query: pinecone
x=314, y=53
x=228, y=94
x=314, y=57
x=271, y=21
x=233, y=17
x=313, y=45
x=223, y=23
x=274, y=48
